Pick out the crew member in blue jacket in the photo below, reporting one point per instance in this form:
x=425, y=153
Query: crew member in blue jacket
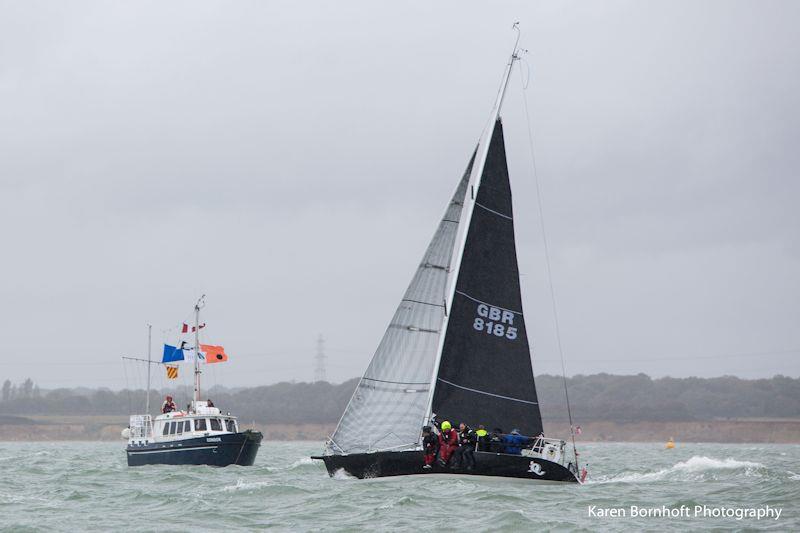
x=515, y=442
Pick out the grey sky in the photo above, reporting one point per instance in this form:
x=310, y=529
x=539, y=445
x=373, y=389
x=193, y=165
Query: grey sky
x=291, y=161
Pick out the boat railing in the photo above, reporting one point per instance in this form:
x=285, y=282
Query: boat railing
x=141, y=426
x=539, y=443
x=539, y=446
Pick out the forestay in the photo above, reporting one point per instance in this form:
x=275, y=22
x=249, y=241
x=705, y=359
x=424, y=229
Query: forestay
x=390, y=402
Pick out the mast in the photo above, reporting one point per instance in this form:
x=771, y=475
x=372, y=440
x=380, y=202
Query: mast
x=469, y=206
x=197, y=307
x=149, y=353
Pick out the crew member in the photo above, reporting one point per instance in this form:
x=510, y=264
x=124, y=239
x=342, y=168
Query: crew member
x=514, y=442
x=464, y=456
x=209, y=403
x=496, y=441
x=482, y=436
x=168, y=406
x=430, y=445
x=448, y=442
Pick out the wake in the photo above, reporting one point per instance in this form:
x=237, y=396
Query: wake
x=697, y=467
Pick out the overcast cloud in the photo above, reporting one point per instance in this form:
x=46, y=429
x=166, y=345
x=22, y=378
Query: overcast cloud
x=292, y=159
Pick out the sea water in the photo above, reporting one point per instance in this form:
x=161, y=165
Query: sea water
x=77, y=486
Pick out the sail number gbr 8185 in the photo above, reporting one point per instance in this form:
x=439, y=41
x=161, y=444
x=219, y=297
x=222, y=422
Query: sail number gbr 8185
x=495, y=321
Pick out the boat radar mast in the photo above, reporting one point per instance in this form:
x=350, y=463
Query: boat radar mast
x=199, y=305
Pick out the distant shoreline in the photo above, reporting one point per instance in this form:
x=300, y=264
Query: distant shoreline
x=734, y=431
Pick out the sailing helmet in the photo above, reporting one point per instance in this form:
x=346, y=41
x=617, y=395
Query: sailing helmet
x=446, y=425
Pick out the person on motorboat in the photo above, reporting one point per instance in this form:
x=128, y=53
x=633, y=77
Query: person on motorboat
x=464, y=456
x=448, y=442
x=209, y=403
x=430, y=445
x=168, y=406
x=515, y=442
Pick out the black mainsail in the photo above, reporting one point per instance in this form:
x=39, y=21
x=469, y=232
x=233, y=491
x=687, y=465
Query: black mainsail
x=485, y=374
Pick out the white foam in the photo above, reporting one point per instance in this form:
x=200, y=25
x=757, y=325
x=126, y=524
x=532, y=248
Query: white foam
x=341, y=474
x=243, y=485
x=693, y=466
x=303, y=461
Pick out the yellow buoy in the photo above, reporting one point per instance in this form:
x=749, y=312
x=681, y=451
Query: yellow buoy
x=670, y=443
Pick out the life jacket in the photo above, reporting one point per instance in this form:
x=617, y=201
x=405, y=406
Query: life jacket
x=449, y=437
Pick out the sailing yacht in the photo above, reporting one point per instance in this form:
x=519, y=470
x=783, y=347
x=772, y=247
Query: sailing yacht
x=457, y=347
x=200, y=435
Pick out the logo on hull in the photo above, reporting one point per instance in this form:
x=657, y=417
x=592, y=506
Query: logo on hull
x=536, y=468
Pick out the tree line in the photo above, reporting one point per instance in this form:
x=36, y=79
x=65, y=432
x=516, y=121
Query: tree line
x=593, y=397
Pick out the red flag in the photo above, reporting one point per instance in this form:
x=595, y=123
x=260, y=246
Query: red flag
x=186, y=328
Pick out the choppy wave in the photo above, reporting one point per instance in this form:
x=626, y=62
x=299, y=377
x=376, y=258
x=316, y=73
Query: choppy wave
x=244, y=485
x=696, y=466
x=302, y=462
x=341, y=474
x=54, y=487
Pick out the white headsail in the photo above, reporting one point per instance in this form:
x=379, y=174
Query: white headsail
x=390, y=401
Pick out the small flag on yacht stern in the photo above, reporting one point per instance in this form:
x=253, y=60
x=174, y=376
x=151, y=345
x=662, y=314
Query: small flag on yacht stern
x=187, y=328
x=214, y=354
x=172, y=372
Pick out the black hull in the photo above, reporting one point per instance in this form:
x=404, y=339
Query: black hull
x=222, y=450
x=383, y=464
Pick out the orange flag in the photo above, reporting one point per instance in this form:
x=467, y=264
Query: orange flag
x=214, y=354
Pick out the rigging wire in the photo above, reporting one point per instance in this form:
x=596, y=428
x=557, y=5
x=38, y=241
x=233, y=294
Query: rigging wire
x=525, y=83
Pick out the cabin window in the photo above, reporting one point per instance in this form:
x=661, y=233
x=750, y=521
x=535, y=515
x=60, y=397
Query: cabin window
x=231, y=426
x=166, y=429
x=179, y=430
x=172, y=428
x=215, y=424
x=200, y=424
x=187, y=426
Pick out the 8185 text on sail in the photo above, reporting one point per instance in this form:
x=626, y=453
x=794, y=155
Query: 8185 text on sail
x=685, y=511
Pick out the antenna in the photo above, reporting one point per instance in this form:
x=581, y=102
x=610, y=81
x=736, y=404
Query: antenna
x=319, y=360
